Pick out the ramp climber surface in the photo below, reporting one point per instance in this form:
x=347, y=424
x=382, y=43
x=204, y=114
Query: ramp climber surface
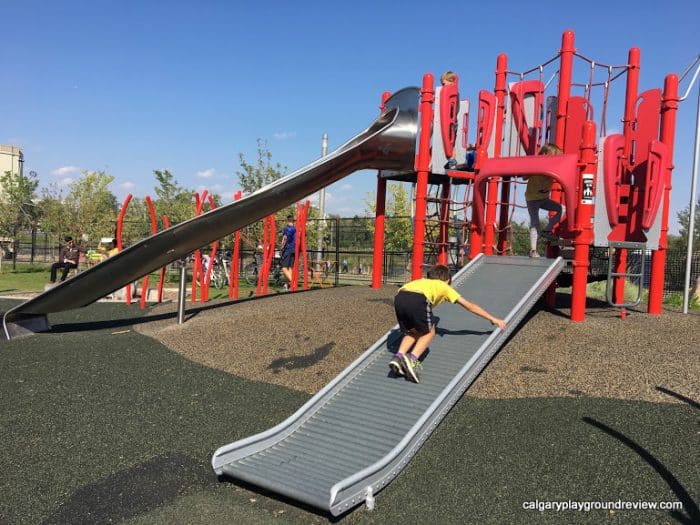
x=356, y=434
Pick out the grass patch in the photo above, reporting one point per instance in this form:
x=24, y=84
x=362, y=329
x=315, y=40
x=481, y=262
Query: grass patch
x=24, y=279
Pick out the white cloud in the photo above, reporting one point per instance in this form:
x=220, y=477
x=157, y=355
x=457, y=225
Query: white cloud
x=284, y=135
x=65, y=181
x=206, y=174
x=128, y=185
x=346, y=187
x=65, y=170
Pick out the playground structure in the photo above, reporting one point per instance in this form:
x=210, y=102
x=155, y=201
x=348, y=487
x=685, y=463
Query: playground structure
x=347, y=442
x=628, y=173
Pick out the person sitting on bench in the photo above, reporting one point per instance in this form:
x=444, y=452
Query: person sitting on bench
x=67, y=260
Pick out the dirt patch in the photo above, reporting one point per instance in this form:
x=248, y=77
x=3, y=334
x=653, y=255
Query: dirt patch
x=642, y=357
x=303, y=340
x=298, y=340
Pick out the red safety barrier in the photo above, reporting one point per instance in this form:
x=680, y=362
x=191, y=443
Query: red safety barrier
x=578, y=110
x=561, y=168
x=485, y=118
x=449, y=105
x=528, y=132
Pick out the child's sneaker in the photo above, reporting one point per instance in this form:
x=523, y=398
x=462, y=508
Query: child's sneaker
x=410, y=368
x=395, y=365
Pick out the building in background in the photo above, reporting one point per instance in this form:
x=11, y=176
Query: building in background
x=11, y=159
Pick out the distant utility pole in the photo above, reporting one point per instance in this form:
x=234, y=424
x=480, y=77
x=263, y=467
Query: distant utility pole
x=321, y=207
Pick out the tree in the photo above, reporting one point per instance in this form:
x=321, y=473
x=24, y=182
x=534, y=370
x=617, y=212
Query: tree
x=398, y=232
x=172, y=199
x=681, y=242
x=252, y=177
x=17, y=208
x=263, y=172
x=92, y=206
x=54, y=216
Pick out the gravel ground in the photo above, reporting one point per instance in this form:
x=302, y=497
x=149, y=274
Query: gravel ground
x=303, y=340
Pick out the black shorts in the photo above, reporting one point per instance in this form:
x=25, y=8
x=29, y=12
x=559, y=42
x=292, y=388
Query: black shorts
x=414, y=313
x=287, y=259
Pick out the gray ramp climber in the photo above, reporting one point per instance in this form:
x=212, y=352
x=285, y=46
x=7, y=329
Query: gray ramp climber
x=355, y=435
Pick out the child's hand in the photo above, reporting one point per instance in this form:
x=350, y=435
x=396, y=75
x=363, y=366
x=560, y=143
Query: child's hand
x=500, y=323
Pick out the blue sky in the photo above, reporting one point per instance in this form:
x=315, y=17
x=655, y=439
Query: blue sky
x=133, y=86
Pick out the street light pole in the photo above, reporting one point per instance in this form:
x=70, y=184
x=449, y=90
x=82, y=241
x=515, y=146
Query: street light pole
x=321, y=208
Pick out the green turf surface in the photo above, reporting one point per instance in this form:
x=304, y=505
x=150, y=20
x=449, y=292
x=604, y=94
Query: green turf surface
x=105, y=427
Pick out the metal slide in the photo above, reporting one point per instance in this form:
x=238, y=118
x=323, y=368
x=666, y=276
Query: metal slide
x=388, y=144
x=354, y=436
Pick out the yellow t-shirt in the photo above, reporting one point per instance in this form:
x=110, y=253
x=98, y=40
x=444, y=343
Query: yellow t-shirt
x=435, y=290
x=538, y=188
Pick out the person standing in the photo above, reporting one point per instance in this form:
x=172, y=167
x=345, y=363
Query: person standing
x=287, y=250
x=537, y=198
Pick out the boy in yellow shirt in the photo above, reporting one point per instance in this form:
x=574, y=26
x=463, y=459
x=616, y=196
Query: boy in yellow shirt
x=414, y=310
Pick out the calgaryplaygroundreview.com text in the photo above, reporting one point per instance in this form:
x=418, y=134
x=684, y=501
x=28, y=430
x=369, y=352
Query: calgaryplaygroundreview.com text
x=587, y=506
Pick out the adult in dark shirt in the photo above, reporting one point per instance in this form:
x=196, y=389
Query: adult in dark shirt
x=288, y=249
x=67, y=259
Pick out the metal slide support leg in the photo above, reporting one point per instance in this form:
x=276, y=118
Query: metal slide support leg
x=181, y=291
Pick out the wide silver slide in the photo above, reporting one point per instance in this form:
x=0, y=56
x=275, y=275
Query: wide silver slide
x=355, y=435
x=389, y=143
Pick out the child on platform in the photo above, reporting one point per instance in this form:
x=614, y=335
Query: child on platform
x=414, y=310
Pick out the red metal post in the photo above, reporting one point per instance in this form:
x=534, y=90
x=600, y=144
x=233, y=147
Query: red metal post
x=669, y=108
x=154, y=230
x=379, y=220
x=475, y=236
x=120, y=245
x=161, y=280
x=628, y=125
x=566, y=67
x=584, y=226
x=422, y=170
x=492, y=186
x=500, y=92
x=197, y=255
x=235, y=259
x=206, y=275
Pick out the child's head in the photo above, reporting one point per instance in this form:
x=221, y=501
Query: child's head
x=441, y=272
x=448, y=77
x=290, y=219
x=550, y=149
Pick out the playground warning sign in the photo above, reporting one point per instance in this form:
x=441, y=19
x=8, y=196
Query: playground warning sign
x=587, y=189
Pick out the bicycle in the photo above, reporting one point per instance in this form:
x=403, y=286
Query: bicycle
x=220, y=272
x=251, y=271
